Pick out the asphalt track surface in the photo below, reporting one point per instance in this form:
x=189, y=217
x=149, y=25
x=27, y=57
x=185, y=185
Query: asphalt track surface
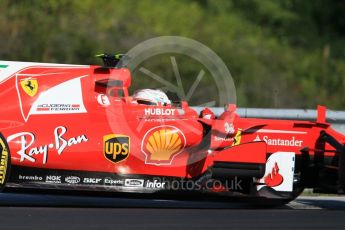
x=73, y=212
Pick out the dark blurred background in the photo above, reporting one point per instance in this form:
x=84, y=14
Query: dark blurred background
x=281, y=53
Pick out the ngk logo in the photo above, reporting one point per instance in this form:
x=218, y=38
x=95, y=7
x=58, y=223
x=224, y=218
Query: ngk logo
x=53, y=179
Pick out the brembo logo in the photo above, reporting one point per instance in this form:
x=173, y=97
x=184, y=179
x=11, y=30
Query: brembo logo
x=116, y=147
x=162, y=144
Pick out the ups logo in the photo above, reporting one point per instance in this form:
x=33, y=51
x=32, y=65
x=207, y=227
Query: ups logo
x=116, y=147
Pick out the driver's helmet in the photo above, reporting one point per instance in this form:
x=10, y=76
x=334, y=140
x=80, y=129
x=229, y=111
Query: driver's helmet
x=151, y=97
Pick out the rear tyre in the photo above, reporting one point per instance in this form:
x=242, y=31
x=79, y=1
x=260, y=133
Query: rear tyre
x=5, y=162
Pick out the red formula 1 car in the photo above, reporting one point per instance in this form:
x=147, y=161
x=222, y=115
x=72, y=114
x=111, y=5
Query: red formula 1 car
x=76, y=127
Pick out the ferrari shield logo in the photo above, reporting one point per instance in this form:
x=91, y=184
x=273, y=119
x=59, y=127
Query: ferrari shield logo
x=30, y=86
x=237, y=138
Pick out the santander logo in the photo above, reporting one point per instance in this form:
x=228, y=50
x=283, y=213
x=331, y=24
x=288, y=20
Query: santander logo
x=274, y=178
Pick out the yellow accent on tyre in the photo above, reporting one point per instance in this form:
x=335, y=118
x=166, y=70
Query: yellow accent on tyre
x=4, y=154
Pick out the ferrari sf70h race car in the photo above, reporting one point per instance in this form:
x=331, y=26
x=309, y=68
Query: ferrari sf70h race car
x=75, y=127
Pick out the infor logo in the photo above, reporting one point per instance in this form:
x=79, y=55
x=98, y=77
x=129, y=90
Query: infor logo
x=116, y=147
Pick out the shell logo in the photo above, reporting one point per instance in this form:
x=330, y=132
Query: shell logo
x=162, y=144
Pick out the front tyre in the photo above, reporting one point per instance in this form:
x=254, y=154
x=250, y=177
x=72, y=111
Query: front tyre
x=5, y=162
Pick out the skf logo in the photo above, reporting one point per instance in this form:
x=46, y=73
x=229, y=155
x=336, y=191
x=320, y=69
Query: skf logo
x=30, y=86
x=3, y=160
x=162, y=144
x=116, y=147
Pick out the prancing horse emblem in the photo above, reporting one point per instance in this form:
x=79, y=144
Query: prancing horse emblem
x=30, y=86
